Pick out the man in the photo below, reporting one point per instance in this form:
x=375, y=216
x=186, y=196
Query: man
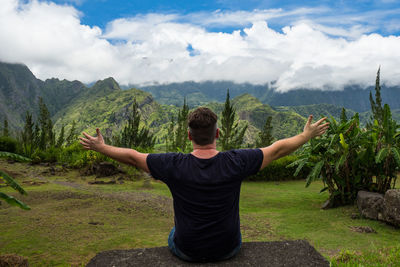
x=205, y=184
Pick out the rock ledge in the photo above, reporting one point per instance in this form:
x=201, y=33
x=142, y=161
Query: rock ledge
x=278, y=253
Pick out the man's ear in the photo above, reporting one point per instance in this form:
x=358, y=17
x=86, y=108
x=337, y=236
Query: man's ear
x=190, y=136
x=217, y=134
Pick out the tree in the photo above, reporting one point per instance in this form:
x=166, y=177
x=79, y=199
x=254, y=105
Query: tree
x=46, y=126
x=177, y=139
x=265, y=137
x=60, y=139
x=71, y=138
x=170, y=144
x=132, y=136
x=376, y=105
x=28, y=134
x=130, y=133
x=230, y=136
x=5, y=128
x=343, y=116
x=181, y=139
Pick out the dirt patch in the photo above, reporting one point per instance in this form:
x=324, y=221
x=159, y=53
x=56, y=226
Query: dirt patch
x=13, y=260
x=29, y=182
x=34, y=197
x=362, y=229
x=255, y=227
x=102, y=182
x=13, y=174
x=140, y=200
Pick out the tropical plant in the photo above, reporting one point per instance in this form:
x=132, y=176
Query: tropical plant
x=387, y=159
x=11, y=182
x=341, y=159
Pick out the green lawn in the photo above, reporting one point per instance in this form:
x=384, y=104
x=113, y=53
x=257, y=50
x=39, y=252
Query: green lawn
x=72, y=221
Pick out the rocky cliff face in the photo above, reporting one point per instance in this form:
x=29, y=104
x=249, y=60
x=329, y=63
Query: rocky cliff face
x=20, y=91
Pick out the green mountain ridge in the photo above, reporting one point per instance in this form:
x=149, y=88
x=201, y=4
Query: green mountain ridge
x=107, y=106
x=352, y=97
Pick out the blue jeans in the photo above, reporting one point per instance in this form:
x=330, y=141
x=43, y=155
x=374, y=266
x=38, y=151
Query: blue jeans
x=177, y=252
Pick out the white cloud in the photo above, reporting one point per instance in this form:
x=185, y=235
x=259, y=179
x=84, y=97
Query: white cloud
x=147, y=48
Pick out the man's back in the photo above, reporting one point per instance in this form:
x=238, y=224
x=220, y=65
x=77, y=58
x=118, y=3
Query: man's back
x=206, y=198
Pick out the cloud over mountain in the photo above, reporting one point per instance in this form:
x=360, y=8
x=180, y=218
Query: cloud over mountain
x=308, y=53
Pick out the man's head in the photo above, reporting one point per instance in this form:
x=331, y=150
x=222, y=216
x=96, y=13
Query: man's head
x=202, y=126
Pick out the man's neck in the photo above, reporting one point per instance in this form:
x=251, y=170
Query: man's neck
x=204, y=152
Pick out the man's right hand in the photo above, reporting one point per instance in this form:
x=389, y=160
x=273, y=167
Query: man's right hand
x=92, y=143
x=312, y=130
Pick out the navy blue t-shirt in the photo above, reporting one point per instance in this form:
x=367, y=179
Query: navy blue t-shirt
x=206, y=198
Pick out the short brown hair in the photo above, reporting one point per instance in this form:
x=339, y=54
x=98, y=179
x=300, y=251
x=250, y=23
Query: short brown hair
x=202, y=124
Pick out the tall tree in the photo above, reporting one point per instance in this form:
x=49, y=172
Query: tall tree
x=71, y=138
x=6, y=132
x=46, y=126
x=376, y=105
x=170, y=144
x=177, y=139
x=28, y=134
x=132, y=136
x=60, y=140
x=265, y=137
x=181, y=138
x=130, y=133
x=343, y=116
x=231, y=135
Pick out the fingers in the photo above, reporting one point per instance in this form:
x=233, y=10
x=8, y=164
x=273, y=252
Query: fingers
x=309, y=119
x=84, y=140
x=85, y=146
x=320, y=121
x=87, y=136
x=98, y=132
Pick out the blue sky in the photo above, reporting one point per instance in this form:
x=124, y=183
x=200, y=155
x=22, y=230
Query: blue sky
x=286, y=44
x=100, y=12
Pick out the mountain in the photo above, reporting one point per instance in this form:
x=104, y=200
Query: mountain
x=251, y=111
x=107, y=106
x=352, y=97
x=20, y=91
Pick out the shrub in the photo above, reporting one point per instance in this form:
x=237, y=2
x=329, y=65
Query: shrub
x=8, y=144
x=75, y=156
x=49, y=155
x=278, y=170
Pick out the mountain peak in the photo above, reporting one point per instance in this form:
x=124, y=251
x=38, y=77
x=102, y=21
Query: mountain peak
x=109, y=83
x=104, y=87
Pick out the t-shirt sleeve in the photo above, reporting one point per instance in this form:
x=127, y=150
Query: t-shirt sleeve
x=251, y=160
x=160, y=165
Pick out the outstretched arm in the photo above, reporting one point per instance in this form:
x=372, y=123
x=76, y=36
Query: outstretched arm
x=124, y=155
x=286, y=146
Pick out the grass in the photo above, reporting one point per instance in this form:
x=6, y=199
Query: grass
x=71, y=221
